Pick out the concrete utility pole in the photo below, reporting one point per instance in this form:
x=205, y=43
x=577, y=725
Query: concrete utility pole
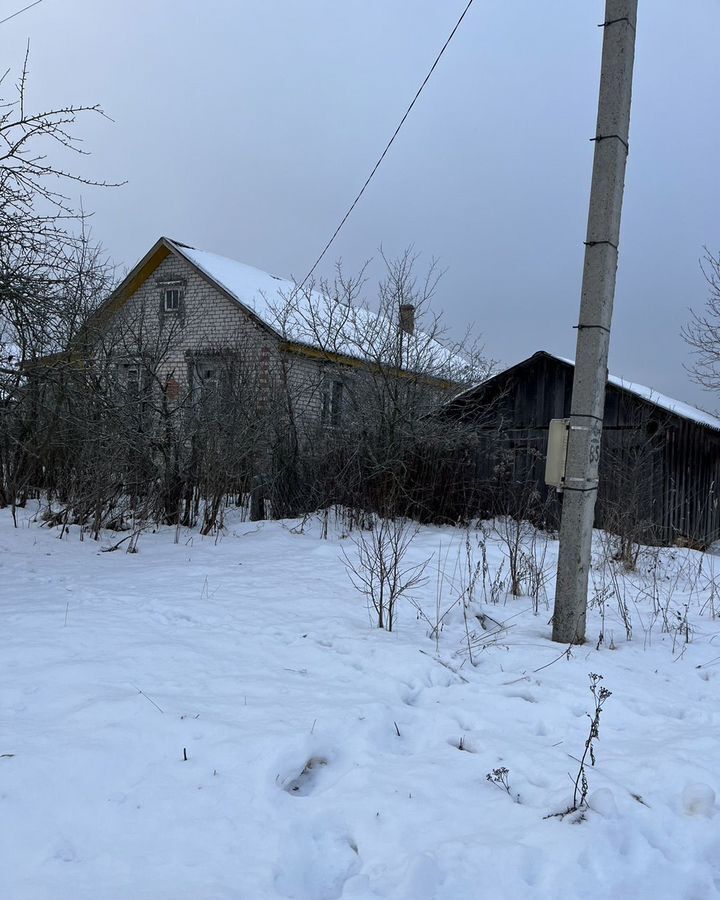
x=596, y=304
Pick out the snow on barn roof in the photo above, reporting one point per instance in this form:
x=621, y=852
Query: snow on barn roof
x=677, y=407
x=313, y=319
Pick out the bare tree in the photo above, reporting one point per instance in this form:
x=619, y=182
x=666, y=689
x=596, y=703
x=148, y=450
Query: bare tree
x=702, y=333
x=51, y=273
x=374, y=441
x=34, y=213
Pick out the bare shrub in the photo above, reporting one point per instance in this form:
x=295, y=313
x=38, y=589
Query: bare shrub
x=611, y=581
x=525, y=548
x=457, y=573
x=710, y=585
x=380, y=571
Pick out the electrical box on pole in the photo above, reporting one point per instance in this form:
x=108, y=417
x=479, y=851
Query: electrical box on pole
x=593, y=329
x=557, y=453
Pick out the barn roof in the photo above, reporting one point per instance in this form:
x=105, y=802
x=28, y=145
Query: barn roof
x=676, y=407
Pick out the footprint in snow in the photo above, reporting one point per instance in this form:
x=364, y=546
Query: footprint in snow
x=521, y=695
x=411, y=697
x=421, y=880
x=317, y=863
x=532, y=866
x=65, y=852
x=305, y=781
x=463, y=743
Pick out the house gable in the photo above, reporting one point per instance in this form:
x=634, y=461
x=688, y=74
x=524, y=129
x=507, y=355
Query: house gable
x=165, y=260
x=300, y=323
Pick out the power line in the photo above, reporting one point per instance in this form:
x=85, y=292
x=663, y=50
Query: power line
x=30, y=6
x=387, y=146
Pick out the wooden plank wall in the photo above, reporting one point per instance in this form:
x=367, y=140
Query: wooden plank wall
x=667, y=466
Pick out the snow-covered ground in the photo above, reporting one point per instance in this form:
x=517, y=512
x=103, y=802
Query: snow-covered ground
x=326, y=758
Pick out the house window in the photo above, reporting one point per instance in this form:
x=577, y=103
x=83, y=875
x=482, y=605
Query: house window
x=132, y=381
x=171, y=301
x=209, y=379
x=336, y=403
x=332, y=405
x=206, y=380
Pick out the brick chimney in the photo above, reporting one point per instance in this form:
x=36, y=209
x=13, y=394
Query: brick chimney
x=407, y=318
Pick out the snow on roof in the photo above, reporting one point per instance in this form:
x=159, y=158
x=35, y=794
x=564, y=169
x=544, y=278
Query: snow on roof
x=677, y=407
x=250, y=286
x=317, y=320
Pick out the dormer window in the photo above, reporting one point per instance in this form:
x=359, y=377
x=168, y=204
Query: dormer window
x=171, y=301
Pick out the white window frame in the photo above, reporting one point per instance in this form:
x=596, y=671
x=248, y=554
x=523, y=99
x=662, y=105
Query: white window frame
x=206, y=379
x=209, y=378
x=131, y=380
x=337, y=402
x=333, y=402
x=172, y=297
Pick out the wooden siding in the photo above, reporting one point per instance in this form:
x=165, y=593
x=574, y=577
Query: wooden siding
x=666, y=465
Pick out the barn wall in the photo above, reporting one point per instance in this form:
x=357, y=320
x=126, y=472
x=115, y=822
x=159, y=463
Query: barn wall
x=692, y=500
x=661, y=469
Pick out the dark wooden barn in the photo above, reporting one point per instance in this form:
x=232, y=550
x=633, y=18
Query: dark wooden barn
x=660, y=461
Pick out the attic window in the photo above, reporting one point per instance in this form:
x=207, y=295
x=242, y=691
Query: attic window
x=171, y=300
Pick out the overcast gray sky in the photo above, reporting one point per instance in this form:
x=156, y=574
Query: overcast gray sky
x=248, y=127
